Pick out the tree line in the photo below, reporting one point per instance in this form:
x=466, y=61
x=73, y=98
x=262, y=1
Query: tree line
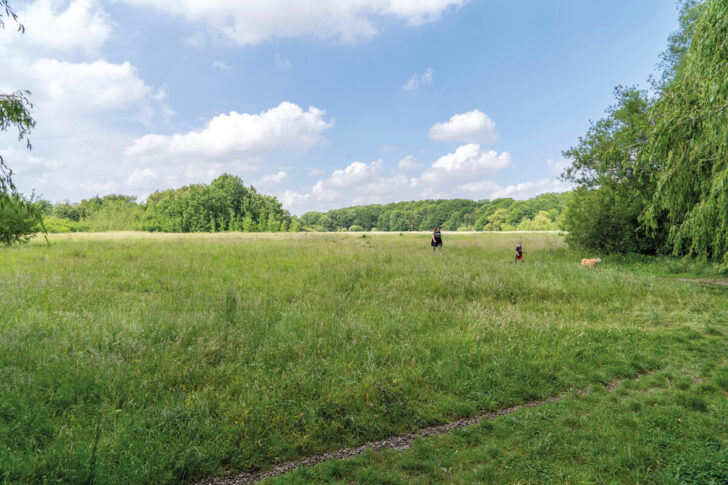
x=226, y=204
x=540, y=213
x=652, y=175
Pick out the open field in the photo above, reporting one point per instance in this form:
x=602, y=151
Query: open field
x=150, y=358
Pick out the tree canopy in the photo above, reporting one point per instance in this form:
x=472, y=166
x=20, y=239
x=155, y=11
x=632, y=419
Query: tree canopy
x=690, y=139
x=614, y=178
x=540, y=213
x=226, y=204
x=652, y=175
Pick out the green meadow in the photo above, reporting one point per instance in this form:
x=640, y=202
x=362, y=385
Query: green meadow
x=129, y=358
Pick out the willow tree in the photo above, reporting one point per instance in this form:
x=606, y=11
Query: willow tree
x=14, y=112
x=690, y=140
x=18, y=218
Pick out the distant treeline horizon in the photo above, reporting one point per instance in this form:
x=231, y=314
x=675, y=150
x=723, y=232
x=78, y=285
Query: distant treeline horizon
x=226, y=204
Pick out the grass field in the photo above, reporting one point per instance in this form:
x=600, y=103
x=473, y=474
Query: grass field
x=138, y=358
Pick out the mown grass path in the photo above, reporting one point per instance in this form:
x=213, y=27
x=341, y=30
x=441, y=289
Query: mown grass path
x=398, y=443
x=197, y=354
x=668, y=427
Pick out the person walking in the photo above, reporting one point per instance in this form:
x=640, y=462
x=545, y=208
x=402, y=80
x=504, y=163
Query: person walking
x=437, y=240
x=519, y=252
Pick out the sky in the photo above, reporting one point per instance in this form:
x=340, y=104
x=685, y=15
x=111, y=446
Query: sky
x=322, y=103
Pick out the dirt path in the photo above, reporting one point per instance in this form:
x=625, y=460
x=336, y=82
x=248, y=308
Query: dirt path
x=395, y=442
x=710, y=281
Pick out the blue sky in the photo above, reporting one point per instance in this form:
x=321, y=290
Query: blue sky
x=323, y=104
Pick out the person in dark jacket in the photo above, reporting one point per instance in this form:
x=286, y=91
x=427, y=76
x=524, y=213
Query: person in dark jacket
x=436, y=240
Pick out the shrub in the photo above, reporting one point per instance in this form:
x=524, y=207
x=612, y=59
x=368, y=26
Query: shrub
x=18, y=220
x=605, y=220
x=57, y=225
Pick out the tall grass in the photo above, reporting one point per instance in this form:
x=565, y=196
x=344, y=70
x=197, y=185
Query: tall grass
x=164, y=358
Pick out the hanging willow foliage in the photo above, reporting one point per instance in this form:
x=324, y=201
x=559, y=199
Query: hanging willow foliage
x=18, y=217
x=690, y=138
x=14, y=112
x=19, y=220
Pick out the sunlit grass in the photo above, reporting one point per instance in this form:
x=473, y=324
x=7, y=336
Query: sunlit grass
x=193, y=354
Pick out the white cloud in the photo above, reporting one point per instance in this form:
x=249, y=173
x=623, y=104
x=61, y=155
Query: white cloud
x=66, y=93
x=465, y=173
x=350, y=185
x=526, y=190
x=408, y=163
x=96, y=86
x=72, y=100
x=355, y=174
x=221, y=65
x=471, y=127
x=460, y=174
x=25, y=161
x=107, y=187
x=557, y=167
x=28, y=167
x=417, y=80
x=467, y=163
x=240, y=134
x=81, y=26
x=142, y=178
x=271, y=181
x=83, y=105
x=252, y=21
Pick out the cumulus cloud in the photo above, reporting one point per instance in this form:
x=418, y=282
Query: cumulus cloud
x=235, y=134
x=65, y=92
x=465, y=173
x=83, y=104
x=468, y=162
x=81, y=26
x=355, y=184
x=408, y=163
x=272, y=181
x=96, y=86
x=526, y=190
x=471, y=127
x=417, y=80
x=252, y=21
x=460, y=174
x=70, y=99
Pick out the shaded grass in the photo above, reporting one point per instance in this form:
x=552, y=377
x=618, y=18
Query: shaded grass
x=197, y=354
